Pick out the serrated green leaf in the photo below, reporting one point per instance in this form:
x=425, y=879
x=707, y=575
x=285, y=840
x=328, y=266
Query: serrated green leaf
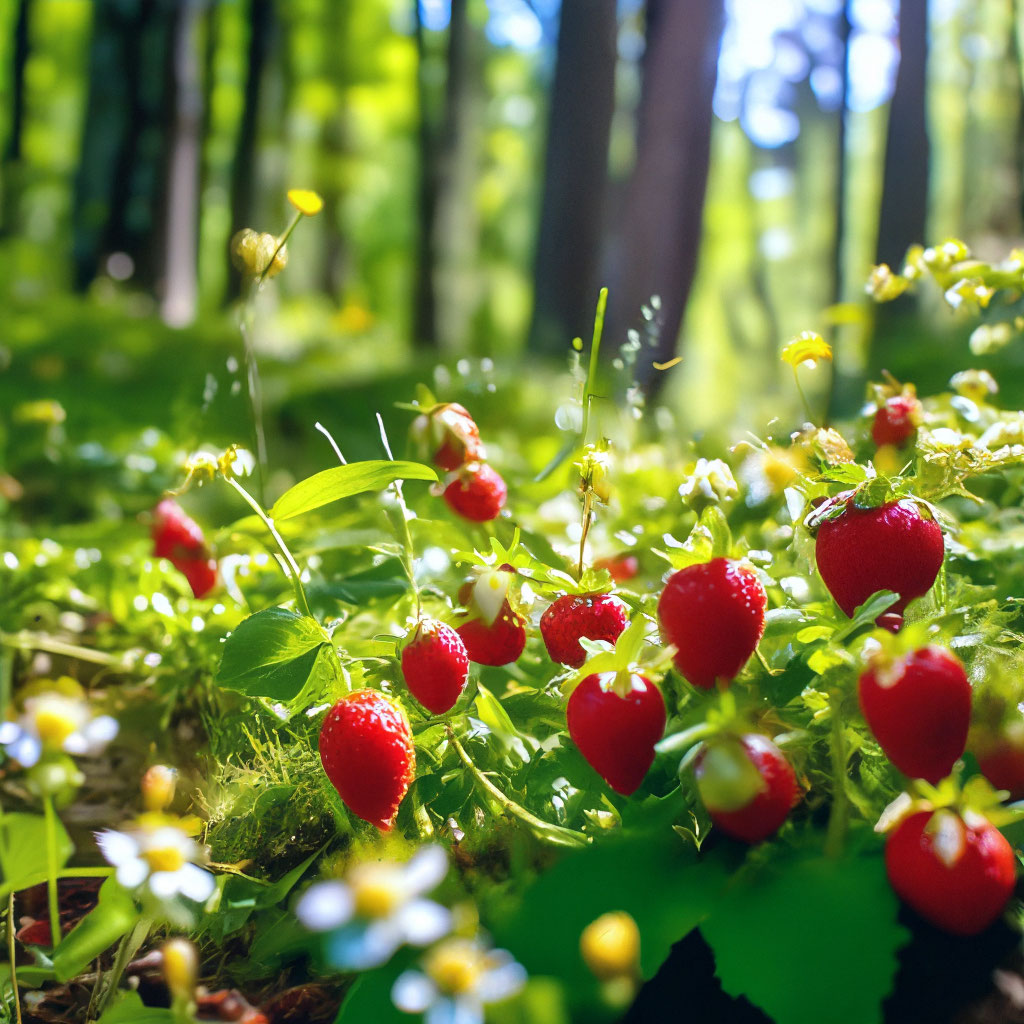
x=271, y=654
x=113, y=916
x=794, y=976
x=344, y=481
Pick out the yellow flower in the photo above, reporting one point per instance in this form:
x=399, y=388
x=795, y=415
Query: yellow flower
x=305, y=201
x=611, y=945
x=806, y=347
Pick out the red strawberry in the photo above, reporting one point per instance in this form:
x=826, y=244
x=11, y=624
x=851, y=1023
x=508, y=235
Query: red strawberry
x=621, y=567
x=746, y=784
x=435, y=666
x=461, y=437
x=594, y=616
x=896, y=420
x=956, y=872
x=617, y=734
x=919, y=709
x=714, y=615
x=179, y=539
x=497, y=643
x=367, y=752
x=477, y=495
x=1001, y=759
x=891, y=547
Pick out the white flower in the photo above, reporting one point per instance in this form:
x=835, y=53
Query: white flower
x=163, y=857
x=56, y=722
x=459, y=977
x=378, y=908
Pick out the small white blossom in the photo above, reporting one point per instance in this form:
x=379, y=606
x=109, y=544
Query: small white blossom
x=56, y=722
x=378, y=908
x=163, y=857
x=459, y=977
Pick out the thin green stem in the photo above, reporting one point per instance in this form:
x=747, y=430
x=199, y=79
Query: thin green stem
x=803, y=397
x=51, y=870
x=840, y=814
x=126, y=949
x=595, y=350
x=25, y=640
x=280, y=245
x=404, y=534
x=293, y=572
x=588, y=516
x=255, y=388
x=11, y=950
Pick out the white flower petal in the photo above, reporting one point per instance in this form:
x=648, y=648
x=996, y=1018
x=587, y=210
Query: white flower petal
x=413, y=992
x=165, y=884
x=117, y=847
x=9, y=732
x=502, y=981
x=423, y=922
x=195, y=883
x=76, y=744
x=132, y=873
x=358, y=947
x=426, y=869
x=100, y=731
x=325, y=906
x=455, y=1011
x=25, y=750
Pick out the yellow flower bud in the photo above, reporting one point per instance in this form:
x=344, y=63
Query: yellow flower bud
x=158, y=787
x=254, y=253
x=611, y=945
x=181, y=968
x=305, y=201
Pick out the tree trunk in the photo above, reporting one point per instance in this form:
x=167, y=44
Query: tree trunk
x=575, y=175
x=243, y=169
x=12, y=149
x=663, y=211
x=334, y=146
x=904, y=208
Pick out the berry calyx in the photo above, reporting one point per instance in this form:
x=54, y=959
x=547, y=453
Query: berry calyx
x=890, y=547
x=713, y=613
x=435, y=666
x=957, y=871
x=572, y=616
x=896, y=420
x=367, y=753
x=477, y=494
x=918, y=707
x=615, y=719
x=746, y=784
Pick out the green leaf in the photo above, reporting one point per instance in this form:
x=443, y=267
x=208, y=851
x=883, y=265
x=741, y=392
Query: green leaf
x=271, y=654
x=369, y=998
x=112, y=917
x=22, y=846
x=342, y=482
x=130, y=1009
x=767, y=929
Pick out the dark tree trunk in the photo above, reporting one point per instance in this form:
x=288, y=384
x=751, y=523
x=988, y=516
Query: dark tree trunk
x=575, y=175
x=334, y=143
x=243, y=169
x=424, y=299
x=663, y=212
x=12, y=149
x=904, y=205
x=121, y=173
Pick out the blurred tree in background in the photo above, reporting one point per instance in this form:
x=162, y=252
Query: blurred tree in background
x=488, y=165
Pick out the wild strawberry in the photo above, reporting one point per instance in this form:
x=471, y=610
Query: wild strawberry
x=714, y=615
x=956, y=872
x=179, y=539
x=1000, y=757
x=746, y=784
x=919, y=709
x=616, y=734
x=497, y=643
x=450, y=434
x=572, y=616
x=435, y=666
x=896, y=420
x=621, y=567
x=367, y=752
x=892, y=547
x=477, y=494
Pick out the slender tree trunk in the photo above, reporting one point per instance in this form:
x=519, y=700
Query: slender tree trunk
x=334, y=144
x=575, y=175
x=664, y=207
x=12, y=149
x=180, y=272
x=424, y=309
x=904, y=208
x=243, y=169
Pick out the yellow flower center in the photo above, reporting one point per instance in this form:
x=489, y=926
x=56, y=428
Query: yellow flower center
x=377, y=890
x=165, y=858
x=611, y=945
x=54, y=725
x=455, y=966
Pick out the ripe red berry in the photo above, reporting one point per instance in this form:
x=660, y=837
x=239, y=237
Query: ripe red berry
x=746, y=784
x=1000, y=757
x=367, y=752
x=435, y=666
x=958, y=873
x=497, y=643
x=891, y=547
x=477, y=495
x=621, y=567
x=714, y=615
x=179, y=539
x=594, y=616
x=896, y=420
x=460, y=437
x=919, y=709
x=617, y=734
